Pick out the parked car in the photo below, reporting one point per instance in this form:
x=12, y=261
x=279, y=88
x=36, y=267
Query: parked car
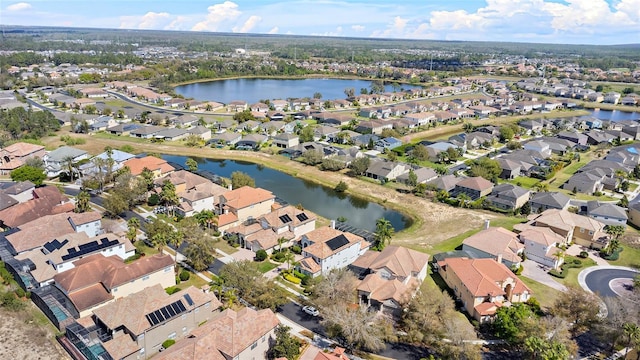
x=311, y=310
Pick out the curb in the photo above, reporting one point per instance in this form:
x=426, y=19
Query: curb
x=583, y=274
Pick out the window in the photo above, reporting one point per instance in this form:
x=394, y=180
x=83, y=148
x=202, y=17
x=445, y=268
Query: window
x=167, y=269
x=254, y=345
x=142, y=351
x=264, y=337
x=581, y=230
x=197, y=310
x=184, y=330
x=172, y=335
x=146, y=277
x=184, y=316
x=141, y=336
x=207, y=305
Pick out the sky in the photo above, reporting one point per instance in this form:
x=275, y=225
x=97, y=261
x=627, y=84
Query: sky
x=601, y=22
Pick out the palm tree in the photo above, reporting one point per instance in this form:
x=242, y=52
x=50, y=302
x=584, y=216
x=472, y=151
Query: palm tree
x=633, y=333
x=559, y=255
x=82, y=202
x=159, y=240
x=176, y=238
x=69, y=167
x=384, y=232
x=281, y=240
x=206, y=218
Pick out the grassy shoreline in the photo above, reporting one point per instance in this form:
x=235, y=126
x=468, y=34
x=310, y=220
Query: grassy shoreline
x=290, y=77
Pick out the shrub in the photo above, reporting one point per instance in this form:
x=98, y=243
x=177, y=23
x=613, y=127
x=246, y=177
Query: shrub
x=341, y=187
x=519, y=270
x=153, y=200
x=172, y=290
x=292, y=279
x=279, y=256
x=261, y=255
x=559, y=274
x=296, y=249
x=167, y=343
x=184, y=275
x=20, y=292
x=583, y=254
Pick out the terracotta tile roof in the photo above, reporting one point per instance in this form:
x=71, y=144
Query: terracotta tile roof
x=309, y=265
x=21, y=149
x=482, y=276
x=567, y=220
x=321, y=236
x=150, y=162
x=121, y=346
x=488, y=308
x=336, y=354
x=382, y=290
x=131, y=311
x=246, y=196
x=496, y=241
x=110, y=271
x=542, y=235
x=224, y=337
x=268, y=238
x=364, y=261
x=90, y=296
x=36, y=233
x=227, y=219
x=296, y=216
x=400, y=260
x=48, y=200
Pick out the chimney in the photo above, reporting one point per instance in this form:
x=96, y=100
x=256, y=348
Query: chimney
x=487, y=223
x=499, y=259
x=333, y=224
x=230, y=187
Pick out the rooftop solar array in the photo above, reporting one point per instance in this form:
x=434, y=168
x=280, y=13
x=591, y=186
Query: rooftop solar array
x=165, y=313
x=54, y=245
x=189, y=300
x=88, y=248
x=302, y=217
x=337, y=242
x=285, y=218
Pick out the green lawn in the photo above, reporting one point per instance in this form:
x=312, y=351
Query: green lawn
x=630, y=257
x=525, y=182
x=543, y=293
x=143, y=248
x=572, y=274
x=632, y=186
x=194, y=280
x=266, y=266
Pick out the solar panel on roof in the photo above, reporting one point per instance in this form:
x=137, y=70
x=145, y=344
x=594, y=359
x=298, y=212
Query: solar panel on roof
x=302, y=217
x=171, y=311
x=153, y=320
x=159, y=315
x=165, y=313
x=88, y=248
x=285, y=218
x=181, y=306
x=337, y=242
x=189, y=300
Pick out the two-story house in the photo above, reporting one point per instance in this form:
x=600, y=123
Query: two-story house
x=495, y=243
x=15, y=155
x=158, y=167
x=508, y=197
x=473, y=187
x=245, y=203
x=327, y=248
x=55, y=162
x=483, y=285
x=541, y=245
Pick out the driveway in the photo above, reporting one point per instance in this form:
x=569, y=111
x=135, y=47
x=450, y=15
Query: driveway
x=574, y=250
x=537, y=272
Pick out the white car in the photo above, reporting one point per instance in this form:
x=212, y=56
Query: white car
x=311, y=310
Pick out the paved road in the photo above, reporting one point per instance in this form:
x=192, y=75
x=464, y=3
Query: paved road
x=598, y=280
x=294, y=313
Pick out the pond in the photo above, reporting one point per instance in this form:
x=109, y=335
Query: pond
x=614, y=115
x=323, y=201
x=253, y=90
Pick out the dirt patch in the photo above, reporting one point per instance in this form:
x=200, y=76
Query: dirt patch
x=23, y=337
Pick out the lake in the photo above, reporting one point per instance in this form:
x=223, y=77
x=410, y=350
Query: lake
x=614, y=115
x=319, y=199
x=254, y=90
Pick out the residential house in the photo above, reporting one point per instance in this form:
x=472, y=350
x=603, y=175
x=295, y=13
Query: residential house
x=251, y=142
x=595, y=137
x=541, y=245
x=55, y=162
x=495, y=243
x=145, y=132
x=508, y=197
x=542, y=201
x=171, y=134
x=237, y=106
x=611, y=97
x=392, y=277
x=159, y=167
x=244, y=334
x=134, y=327
x=473, y=187
x=200, y=131
x=124, y=129
x=579, y=229
x=332, y=118
x=285, y=140
x=225, y=139
x=483, y=285
x=16, y=155
x=634, y=214
x=386, y=170
x=574, y=137
x=33, y=203
x=433, y=150
x=445, y=182
x=423, y=175
x=97, y=280
x=195, y=193
x=16, y=192
x=387, y=144
x=607, y=213
x=185, y=120
x=326, y=248
x=373, y=127
x=246, y=203
x=510, y=169
x=587, y=182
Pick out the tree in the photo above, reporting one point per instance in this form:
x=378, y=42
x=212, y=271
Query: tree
x=251, y=285
x=525, y=209
x=168, y=195
x=192, y=165
x=506, y=134
x=133, y=224
x=82, y=202
x=412, y=178
x=28, y=173
x=176, y=238
x=337, y=287
x=206, y=218
x=341, y=187
x=199, y=254
x=240, y=179
x=578, y=307
x=285, y=346
x=514, y=145
x=243, y=116
x=147, y=177
x=360, y=165
x=349, y=92
x=360, y=329
x=159, y=240
x=317, y=95
x=513, y=323
x=115, y=204
x=632, y=331
x=383, y=234
x=261, y=255
x=312, y=157
x=420, y=152
x=306, y=134
x=486, y=168
x=468, y=127
x=624, y=201
x=615, y=231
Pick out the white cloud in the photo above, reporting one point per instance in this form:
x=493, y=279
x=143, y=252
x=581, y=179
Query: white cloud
x=19, y=6
x=395, y=29
x=274, y=30
x=336, y=32
x=150, y=20
x=217, y=15
x=357, y=28
x=248, y=25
